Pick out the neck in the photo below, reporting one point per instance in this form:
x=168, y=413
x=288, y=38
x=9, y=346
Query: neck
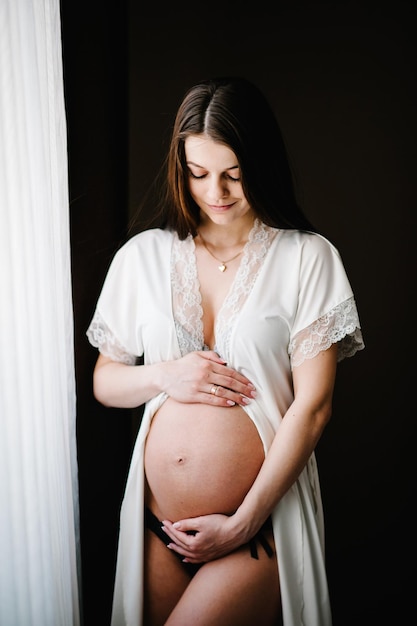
x=224, y=253
x=225, y=237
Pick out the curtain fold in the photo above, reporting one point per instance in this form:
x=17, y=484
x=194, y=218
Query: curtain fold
x=39, y=521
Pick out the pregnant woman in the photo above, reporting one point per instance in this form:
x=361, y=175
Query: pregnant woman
x=239, y=311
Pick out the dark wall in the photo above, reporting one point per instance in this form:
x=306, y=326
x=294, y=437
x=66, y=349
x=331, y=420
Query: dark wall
x=96, y=93
x=342, y=79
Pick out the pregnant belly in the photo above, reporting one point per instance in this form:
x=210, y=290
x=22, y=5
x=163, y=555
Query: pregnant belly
x=200, y=459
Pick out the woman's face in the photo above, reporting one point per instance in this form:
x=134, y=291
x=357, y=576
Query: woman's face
x=214, y=180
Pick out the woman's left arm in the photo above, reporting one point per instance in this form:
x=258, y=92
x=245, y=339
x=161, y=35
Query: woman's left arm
x=294, y=442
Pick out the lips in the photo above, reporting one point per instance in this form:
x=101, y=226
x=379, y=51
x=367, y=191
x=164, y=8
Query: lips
x=221, y=208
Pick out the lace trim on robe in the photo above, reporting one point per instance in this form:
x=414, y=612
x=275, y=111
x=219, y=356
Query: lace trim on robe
x=186, y=297
x=259, y=242
x=101, y=337
x=340, y=325
x=187, y=309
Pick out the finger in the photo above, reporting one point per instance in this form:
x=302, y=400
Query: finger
x=229, y=374
x=182, y=538
x=216, y=396
x=214, y=390
x=220, y=367
x=238, y=384
x=230, y=379
x=231, y=371
x=192, y=552
x=176, y=548
x=221, y=396
x=188, y=556
x=212, y=356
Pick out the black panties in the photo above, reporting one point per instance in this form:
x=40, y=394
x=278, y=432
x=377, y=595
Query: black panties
x=153, y=523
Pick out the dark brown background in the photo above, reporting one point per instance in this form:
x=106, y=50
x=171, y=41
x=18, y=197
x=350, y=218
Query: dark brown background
x=342, y=79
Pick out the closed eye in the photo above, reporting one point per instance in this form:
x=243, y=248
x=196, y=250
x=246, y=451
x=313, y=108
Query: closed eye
x=196, y=177
x=227, y=176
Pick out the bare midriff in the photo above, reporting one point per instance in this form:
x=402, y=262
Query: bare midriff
x=200, y=459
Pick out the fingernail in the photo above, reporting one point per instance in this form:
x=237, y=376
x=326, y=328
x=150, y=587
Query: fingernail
x=253, y=394
x=163, y=528
x=231, y=403
x=245, y=400
x=176, y=525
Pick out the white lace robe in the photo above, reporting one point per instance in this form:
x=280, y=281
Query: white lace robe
x=290, y=299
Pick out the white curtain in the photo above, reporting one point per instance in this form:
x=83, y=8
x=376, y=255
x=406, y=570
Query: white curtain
x=39, y=546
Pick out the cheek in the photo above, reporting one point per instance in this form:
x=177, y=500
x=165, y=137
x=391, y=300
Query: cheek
x=195, y=189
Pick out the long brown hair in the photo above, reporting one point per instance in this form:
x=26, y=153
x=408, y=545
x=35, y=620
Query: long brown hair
x=234, y=112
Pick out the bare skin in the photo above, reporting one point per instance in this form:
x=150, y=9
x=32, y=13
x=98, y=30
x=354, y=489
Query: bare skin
x=200, y=459
x=234, y=590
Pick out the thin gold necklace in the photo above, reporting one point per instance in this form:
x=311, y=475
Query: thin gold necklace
x=223, y=264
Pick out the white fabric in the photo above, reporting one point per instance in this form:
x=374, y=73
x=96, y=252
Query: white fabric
x=38, y=469
x=150, y=305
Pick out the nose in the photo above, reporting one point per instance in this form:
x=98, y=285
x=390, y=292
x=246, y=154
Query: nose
x=218, y=190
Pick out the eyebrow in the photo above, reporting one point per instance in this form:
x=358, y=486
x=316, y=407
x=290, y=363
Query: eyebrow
x=233, y=167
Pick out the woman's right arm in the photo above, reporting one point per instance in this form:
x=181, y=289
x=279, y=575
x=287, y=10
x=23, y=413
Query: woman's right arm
x=188, y=379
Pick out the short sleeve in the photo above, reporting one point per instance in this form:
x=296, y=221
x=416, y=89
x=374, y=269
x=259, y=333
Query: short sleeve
x=101, y=336
x=327, y=311
x=113, y=328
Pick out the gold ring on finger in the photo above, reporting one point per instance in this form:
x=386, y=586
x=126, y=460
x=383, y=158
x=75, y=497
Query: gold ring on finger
x=214, y=389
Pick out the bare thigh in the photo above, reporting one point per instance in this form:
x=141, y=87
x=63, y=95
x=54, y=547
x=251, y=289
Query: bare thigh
x=165, y=580
x=235, y=590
